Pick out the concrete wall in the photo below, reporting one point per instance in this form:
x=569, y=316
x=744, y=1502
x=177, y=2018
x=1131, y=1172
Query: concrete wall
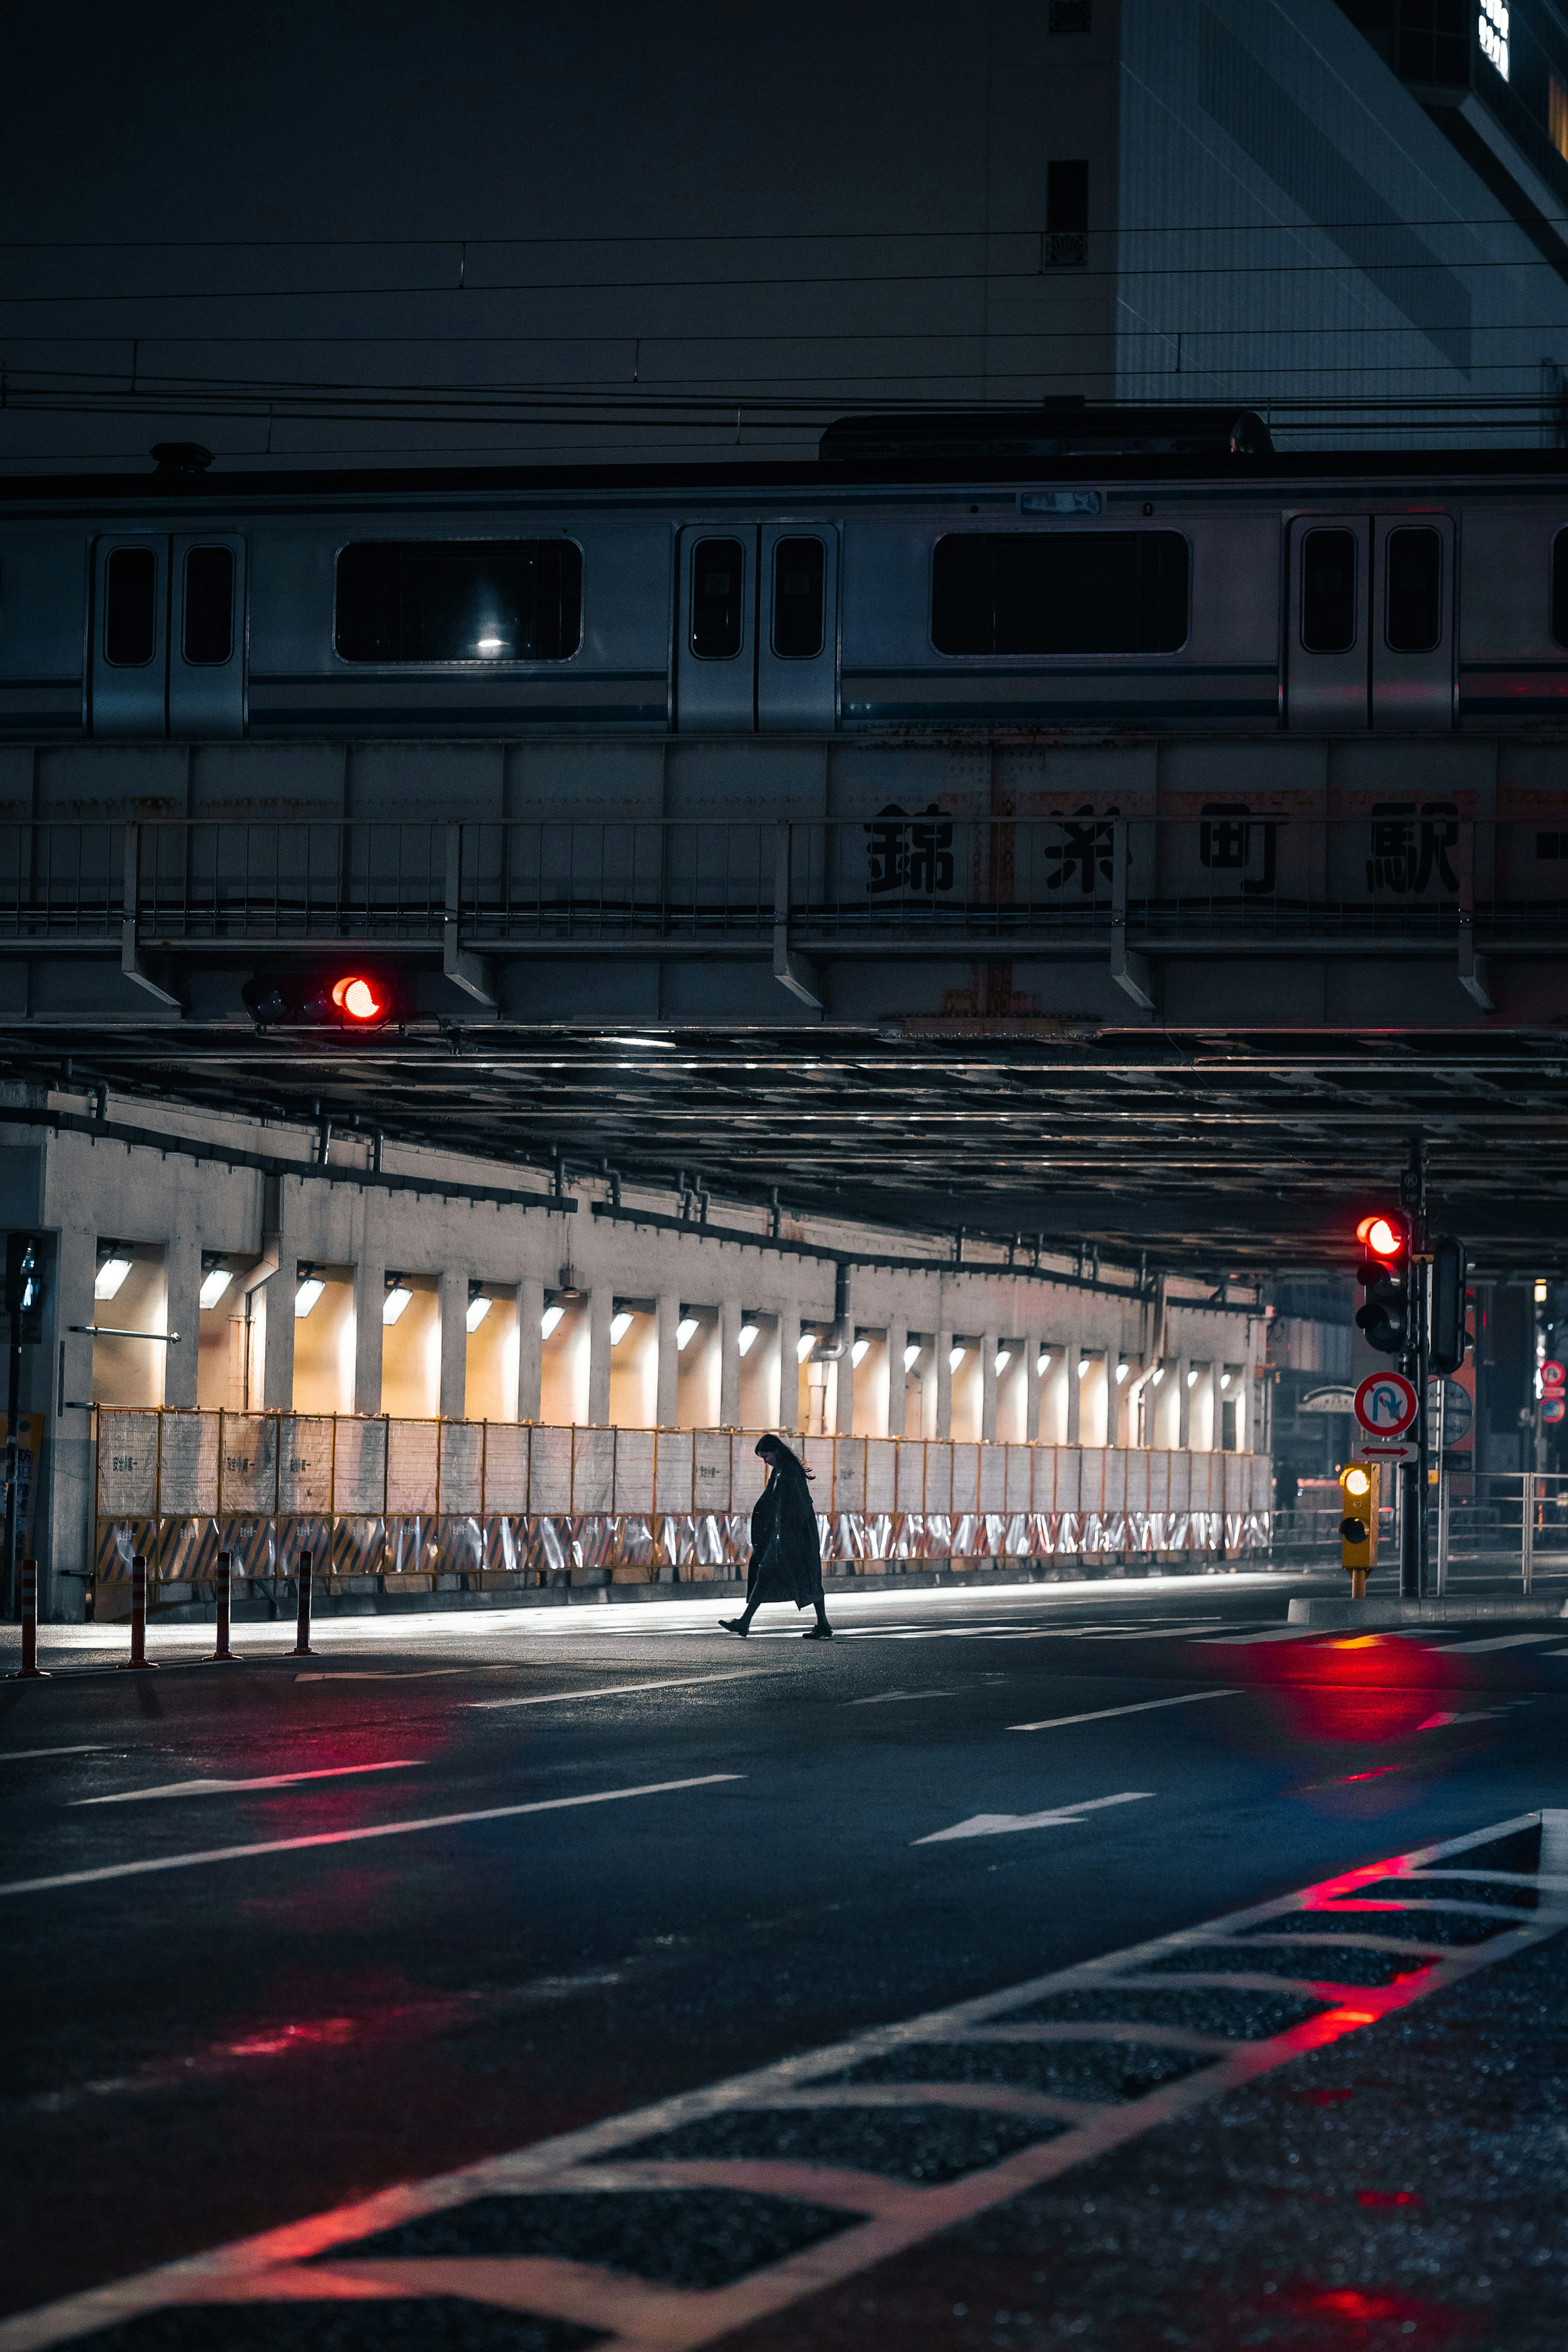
x=177, y=1210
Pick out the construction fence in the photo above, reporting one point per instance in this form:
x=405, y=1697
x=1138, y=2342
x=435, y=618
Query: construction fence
x=500, y=1502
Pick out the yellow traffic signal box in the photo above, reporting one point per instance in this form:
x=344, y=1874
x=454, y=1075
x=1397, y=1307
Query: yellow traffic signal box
x=1358, y=1527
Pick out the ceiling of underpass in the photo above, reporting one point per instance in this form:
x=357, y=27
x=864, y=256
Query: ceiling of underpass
x=1220, y=1153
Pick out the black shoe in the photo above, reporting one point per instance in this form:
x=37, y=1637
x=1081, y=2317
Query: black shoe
x=735, y=1625
x=822, y=1633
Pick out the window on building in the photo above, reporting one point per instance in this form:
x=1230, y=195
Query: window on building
x=1414, y=562
x=468, y=600
x=131, y=599
x=797, y=598
x=1328, y=591
x=718, y=575
x=1114, y=591
x=1557, y=114
x=209, y=634
x=1560, y=588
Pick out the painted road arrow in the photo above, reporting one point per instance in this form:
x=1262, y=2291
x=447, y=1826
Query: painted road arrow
x=1061, y=1818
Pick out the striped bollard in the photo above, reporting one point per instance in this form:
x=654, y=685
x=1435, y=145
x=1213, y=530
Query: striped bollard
x=139, y=1660
x=29, y=1670
x=302, y=1636
x=223, y=1655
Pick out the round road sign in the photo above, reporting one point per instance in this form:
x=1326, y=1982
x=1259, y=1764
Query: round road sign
x=1385, y=1405
x=1553, y=1408
x=1552, y=1375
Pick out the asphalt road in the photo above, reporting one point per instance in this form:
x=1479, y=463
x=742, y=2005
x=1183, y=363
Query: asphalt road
x=288, y=1936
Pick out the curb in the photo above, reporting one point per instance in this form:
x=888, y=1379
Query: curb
x=1365, y=1616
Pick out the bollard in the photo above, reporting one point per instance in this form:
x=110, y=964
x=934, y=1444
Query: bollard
x=138, y=1658
x=302, y=1636
x=223, y=1655
x=29, y=1670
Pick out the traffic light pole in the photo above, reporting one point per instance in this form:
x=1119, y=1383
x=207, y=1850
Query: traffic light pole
x=1413, y=1548
x=12, y=1459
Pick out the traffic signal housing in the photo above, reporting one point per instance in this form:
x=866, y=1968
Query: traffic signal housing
x=346, y=996
x=1358, y=1527
x=25, y=1288
x=1384, y=1275
x=1449, y=1337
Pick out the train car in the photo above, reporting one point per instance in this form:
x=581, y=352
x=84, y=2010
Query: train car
x=1056, y=572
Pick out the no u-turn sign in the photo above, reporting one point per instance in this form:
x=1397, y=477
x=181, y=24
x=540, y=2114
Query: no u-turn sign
x=1385, y=1405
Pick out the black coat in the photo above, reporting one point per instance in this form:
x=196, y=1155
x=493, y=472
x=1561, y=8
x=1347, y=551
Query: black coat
x=787, y=1553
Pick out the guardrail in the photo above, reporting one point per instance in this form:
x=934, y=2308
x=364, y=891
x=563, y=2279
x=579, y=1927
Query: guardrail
x=376, y=1496
x=1490, y=1530
x=1406, y=876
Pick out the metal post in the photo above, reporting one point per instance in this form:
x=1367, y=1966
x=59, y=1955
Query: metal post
x=1527, y=1531
x=302, y=1631
x=30, y=1671
x=1442, y=1487
x=223, y=1655
x=1413, y=1475
x=13, y=1415
x=138, y=1661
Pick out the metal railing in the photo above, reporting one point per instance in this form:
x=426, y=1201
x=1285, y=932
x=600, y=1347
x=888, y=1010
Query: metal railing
x=1491, y=1531
x=1409, y=879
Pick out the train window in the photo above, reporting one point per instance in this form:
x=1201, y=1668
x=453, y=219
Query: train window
x=1328, y=592
x=1113, y=591
x=478, y=600
x=797, y=598
x=1560, y=588
x=130, y=606
x=718, y=570
x=209, y=606
x=1415, y=591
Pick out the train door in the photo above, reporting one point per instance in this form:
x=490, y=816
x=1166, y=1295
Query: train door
x=1327, y=657
x=1413, y=622
x=716, y=647
x=168, y=635
x=797, y=633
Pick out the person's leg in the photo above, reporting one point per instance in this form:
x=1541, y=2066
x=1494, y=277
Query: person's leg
x=822, y=1631
x=742, y=1623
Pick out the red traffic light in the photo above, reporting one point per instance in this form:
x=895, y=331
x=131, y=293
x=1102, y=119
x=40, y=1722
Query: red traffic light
x=357, y=998
x=1384, y=1234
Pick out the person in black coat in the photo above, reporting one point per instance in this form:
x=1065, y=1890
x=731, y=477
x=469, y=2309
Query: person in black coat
x=786, y=1554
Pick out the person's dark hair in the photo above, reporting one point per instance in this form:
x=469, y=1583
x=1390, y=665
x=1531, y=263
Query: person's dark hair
x=774, y=1449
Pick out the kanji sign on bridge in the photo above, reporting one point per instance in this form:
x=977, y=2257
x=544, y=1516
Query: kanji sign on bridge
x=1385, y=1405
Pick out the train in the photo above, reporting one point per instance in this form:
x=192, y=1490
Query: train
x=1057, y=572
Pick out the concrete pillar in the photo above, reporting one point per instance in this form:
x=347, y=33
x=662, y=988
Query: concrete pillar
x=1075, y=1355
x=844, y=1387
x=730, y=1364
x=454, y=1344
x=369, y=1298
x=1033, y=1346
x=666, y=1408
x=183, y=1279
x=789, y=1369
x=897, y=1340
x=601, y=1306
x=530, y=1345
x=66, y=1560
x=1183, y=1404
x=988, y=1343
x=277, y=1342
x=944, y=1384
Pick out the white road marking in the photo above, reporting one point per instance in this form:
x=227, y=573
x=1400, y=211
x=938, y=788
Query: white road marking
x=83, y=1748
x=352, y=1837
x=886, y=1698
x=1103, y=1714
x=235, y=1788
x=1061, y=1817
x=397, y=1673
x=1273, y=1633
x=1441, y=1722
x=1496, y=1642
x=612, y=1690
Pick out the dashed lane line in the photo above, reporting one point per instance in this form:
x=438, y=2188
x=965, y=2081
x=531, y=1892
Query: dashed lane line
x=1494, y=1641
x=238, y=1787
x=1103, y=1714
x=342, y=2254
x=81, y=1747
x=611, y=1690
x=352, y=1837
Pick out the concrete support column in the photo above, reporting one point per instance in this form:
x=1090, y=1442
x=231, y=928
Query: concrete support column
x=454, y=1345
x=601, y=1306
x=183, y=1282
x=530, y=1345
x=369, y=1298
x=1183, y=1405
x=988, y=1342
x=67, y=1559
x=844, y=1387
x=1075, y=1355
x=944, y=1384
x=789, y=1367
x=897, y=1340
x=1034, y=1344
x=730, y=1364
x=277, y=1346
x=665, y=1404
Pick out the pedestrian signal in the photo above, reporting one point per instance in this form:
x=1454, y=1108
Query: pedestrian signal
x=1385, y=1276
x=1449, y=1337
x=25, y=1288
